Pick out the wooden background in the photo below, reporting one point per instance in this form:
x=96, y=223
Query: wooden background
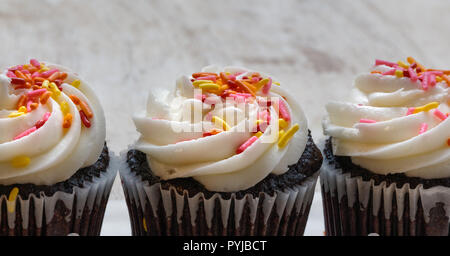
x=315, y=48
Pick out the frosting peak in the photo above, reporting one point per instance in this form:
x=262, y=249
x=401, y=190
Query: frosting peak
x=228, y=129
x=396, y=121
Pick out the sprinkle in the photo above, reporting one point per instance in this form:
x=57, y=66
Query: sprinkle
x=64, y=107
x=423, y=128
x=20, y=161
x=36, y=93
x=197, y=83
x=200, y=74
x=13, y=194
x=440, y=115
x=49, y=72
x=18, y=81
x=277, y=83
x=15, y=114
x=390, y=72
x=211, y=133
x=432, y=79
x=209, y=86
x=44, y=97
x=426, y=107
x=221, y=122
x=439, y=79
x=25, y=133
x=44, y=119
x=84, y=119
x=144, y=223
x=402, y=64
x=75, y=99
x=19, y=74
x=284, y=112
x=10, y=74
x=21, y=101
x=245, y=87
x=282, y=123
x=284, y=140
x=425, y=82
x=86, y=109
x=54, y=76
x=383, y=62
x=76, y=83
x=212, y=78
x=67, y=122
x=412, y=74
x=63, y=76
x=375, y=72
x=259, y=134
x=266, y=88
x=399, y=73
x=35, y=63
x=367, y=121
x=262, y=83
x=446, y=79
x=46, y=84
x=54, y=89
x=246, y=144
x=410, y=111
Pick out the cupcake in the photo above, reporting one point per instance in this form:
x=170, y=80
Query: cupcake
x=227, y=152
x=387, y=167
x=54, y=177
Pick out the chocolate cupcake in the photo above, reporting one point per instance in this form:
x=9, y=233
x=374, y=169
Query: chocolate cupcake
x=387, y=167
x=225, y=153
x=54, y=177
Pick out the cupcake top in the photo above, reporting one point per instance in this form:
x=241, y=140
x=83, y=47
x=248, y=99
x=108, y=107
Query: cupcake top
x=226, y=128
x=51, y=124
x=395, y=121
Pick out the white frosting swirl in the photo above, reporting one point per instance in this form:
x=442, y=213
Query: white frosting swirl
x=55, y=153
x=213, y=160
x=393, y=144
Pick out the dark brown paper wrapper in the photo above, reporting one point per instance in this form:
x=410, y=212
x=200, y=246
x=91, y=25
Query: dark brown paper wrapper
x=157, y=212
x=353, y=207
x=80, y=212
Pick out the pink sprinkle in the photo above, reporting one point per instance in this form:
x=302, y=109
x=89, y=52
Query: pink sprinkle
x=26, y=72
x=232, y=77
x=432, y=79
x=29, y=105
x=383, y=62
x=49, y=73
x=389, y=73
x=35, y=74
x=412, y=75
x=410, y=111
x=440, y=115
x=46, y=116
x=238, y=73
x=35, y=63
x=284, y=112
x=246, y=144
x=436, y=73
x=425, y=82
x=255, y=79
x=266, y=88
x=36, y=93
x=423, y=128
x=367, y=121
x=11, y=74
x=264, y=115
x=26, y=133
x=246, y=95
x=213, y=78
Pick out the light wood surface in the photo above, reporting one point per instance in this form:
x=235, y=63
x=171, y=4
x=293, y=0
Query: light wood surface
x=315, y=48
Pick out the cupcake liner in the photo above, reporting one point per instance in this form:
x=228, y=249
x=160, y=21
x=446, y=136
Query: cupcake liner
x=353, y=206
x=62, y=213
x=155, y=211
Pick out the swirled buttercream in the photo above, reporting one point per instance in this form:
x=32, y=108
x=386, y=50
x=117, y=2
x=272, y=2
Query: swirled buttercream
x=51, y=124
x=395, y=122
x=228, y=130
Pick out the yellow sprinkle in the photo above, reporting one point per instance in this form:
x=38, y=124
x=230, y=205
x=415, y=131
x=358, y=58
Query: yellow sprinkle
x=76, y=83
x=209, y=86
x=258, y=134
x=259, y=121
x=45, y=84
x=262, y=83
x=402, y=64
x=277, y=83
x=13, y=194
x=15, y=114
x=221, y=122
x=20, y=161
x=281, y=133
x=227, y=73
x=42, y=70
x=282, y=123
x=439, y=79
x=426, y=107
x=26, y=66
x=64, y=107
x=199, y=82
x=55, y=90
x=144, y=223
x=22, y=109
x=283, y=141
x=398, y=73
